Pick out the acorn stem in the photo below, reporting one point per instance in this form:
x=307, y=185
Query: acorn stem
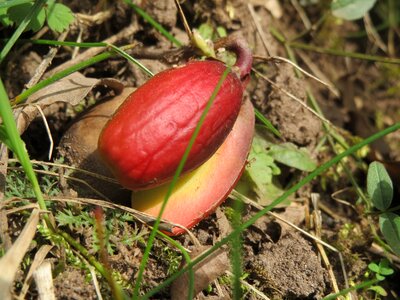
x=238, y=45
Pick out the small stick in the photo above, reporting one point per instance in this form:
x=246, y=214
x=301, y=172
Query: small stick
x=184, y=21
x=260, y=31
x=45, y=62
x=294, y=65
x=317, y=220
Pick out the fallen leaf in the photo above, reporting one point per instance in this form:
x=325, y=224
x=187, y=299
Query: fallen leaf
x=205, y=272
x=71, y=89
x=9, y=263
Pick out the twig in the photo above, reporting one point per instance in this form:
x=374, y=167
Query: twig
x=75, y=169
x=279, y=58
x=259, y=29
x=94, y=279
x=317, y=222
x=184, y=21
x=45, y=63
x=373, y=34
x=315, y=69
x=302, y=14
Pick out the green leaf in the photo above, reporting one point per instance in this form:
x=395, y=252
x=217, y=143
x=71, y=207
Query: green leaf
x=379, y=290
x=379, y=186
x=206, y=31
x=17, y=14
x=9, y=3
x=260, y=171
x=5, y=138
x=4, y=17
x=351, y=9
x=59, y=16
x=384, y=267
x=373, y=267
x=221, y=31
x=289, y=155
x=390, y=227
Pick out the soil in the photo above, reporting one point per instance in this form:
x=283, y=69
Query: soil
x=278, y=260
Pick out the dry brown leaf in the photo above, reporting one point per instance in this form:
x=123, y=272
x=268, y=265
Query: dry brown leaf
x=71, y=89
x=9, y=263
x=205, y=272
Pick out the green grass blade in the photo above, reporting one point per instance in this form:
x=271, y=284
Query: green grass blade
x=236, y=252
x=61, y=43
x=13, y=3
x=25, y=22
x=266, y=122
x=131, y=59
x=353, y=288
x=18, y=145
x=173, y=183
x=356, y=55
x=95, y=59
x=321, y=169
x=187, y=259
x=154, y=23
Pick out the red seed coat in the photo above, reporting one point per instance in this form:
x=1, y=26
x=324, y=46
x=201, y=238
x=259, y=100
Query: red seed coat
x=145, y=140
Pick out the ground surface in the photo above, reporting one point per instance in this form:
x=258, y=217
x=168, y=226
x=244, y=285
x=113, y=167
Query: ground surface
x=278, y=261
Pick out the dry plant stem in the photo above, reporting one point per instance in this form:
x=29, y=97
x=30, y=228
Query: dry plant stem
x=315, y=69
x=45, y=62
x=335, y=196
x=78, y=40
x=46, y=125
x=126, y=32
x=259, y=29
x=95, y=19
x=293, y=97
x=317, y=221
x=72, y=168
x=25, y=207
x=372, y=34
x=302, y=14
x=279, y=58
x=95, y=281
x=184, y=20
x=378, y=250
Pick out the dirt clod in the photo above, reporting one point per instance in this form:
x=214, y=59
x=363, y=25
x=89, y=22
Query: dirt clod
x=291, y=267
